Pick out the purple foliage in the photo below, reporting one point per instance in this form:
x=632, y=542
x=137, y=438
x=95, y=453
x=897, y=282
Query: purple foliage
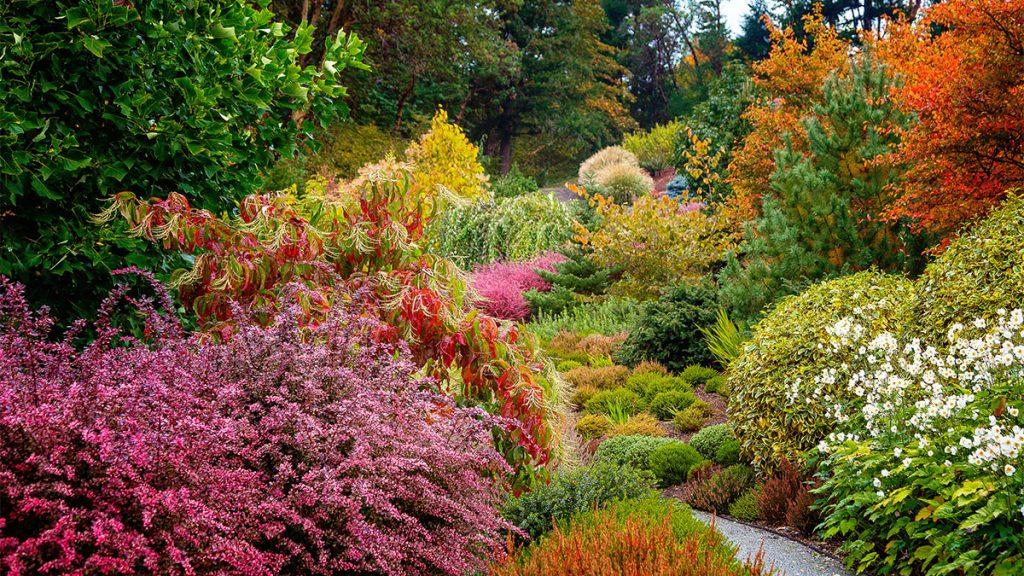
x=501, y=285
x=287, y=450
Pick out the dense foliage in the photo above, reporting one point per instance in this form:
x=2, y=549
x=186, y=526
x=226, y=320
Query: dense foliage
x=668, y=329
x=156, y=96
x=336, y=241
x=288, y=449
x=777, y=408
x=500, y=286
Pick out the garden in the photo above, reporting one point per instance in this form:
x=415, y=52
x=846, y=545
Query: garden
x=511, y=288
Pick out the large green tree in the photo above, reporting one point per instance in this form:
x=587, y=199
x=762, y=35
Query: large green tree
x=153, y=96
x=822, y=215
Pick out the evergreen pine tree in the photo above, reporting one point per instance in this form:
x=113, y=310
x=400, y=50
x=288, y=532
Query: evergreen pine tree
x=576, y=276
x=754, y=40
x=822, y=217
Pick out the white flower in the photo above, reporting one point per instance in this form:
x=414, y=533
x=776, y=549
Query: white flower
x=877, y=483
x=885, y=473
x=897, y=451
x=1009, y=470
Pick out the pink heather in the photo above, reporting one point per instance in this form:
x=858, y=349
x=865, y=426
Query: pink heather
x=500, y=285
x=287, y=450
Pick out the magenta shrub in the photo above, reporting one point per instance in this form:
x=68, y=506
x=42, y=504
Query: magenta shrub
x=288, y=450
x=500, y=285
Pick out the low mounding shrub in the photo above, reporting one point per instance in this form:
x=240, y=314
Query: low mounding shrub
x=536, y=512
x=666, y=404
x=602, y=378
x=709, y=440
x=692, y=417
x=717, y=385
x=650, y=367
x=652, y=536
x=668, y=330
x=630, y=450
x=980, y=272
x=623, y=183
x=610, y=156
x=698, y=375
x=716, y=493
x=591, y=426
x=285, y=450
x=605, y=401
x=607, y=316
x=672, y=462
x=728, y=452
x=500, y=285
x=745, y=507
x=655, y=148
x=926, y=467
x=517, y=228
x=513, y=183
x=581, y=396
x=650, y=384
x=567, y=365
x=639, y=425
x=775, y=405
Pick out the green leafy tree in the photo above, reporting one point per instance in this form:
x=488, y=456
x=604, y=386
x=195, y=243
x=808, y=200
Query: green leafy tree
x=155, y=96
x=822, y=216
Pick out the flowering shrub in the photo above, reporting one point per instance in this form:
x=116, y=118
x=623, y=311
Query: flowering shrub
x=446, y=163
x=925, y=470
x=775, y=405
x=655, y=243
x=979, y=273
x=500, y=286
x=336, y=241
x=286, y=450
x=651, y=536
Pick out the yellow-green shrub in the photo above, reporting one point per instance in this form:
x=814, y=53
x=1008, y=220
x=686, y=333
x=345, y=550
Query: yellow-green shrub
x=623, y=183
x=581, y=396
x=981, y=272
x=446, y=162
x=591, y=426
x=605, y=401
x=691, y=418
x=603, y=158
x=642, y=424
x=655, y=243
x=655, y=148
x=775, y=405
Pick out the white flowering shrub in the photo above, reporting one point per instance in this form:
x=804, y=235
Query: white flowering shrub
x=925, y=470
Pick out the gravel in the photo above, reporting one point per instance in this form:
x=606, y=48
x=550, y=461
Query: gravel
x=790, y=558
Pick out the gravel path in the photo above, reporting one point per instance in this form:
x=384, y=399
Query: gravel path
x=789, y=558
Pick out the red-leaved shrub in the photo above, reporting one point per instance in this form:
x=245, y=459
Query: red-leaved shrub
x=778, y=491
x=289, y=449
x=500, y=285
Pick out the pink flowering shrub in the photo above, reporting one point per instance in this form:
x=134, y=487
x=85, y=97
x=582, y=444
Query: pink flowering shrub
x=287, y=450
x=500, y=285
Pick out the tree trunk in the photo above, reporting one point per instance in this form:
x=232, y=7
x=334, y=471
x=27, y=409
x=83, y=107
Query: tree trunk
x=402, y=98
x=505, y=151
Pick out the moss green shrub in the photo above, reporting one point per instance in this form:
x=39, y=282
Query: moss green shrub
x=666, y=404
x=620, y=398
x=630, y=450
x=566, y=365
x=981, y=272
x=642, y=424
x=591, y=426
x=728, y=453
x=774, y=404
x=601, y=378
x=672, y=462
x=692, y=417
x=535, y=512
x=745, y=507
x=717, y=385
x=708, y=440
x=698, y=375
x=668, y=330
x=650, y=384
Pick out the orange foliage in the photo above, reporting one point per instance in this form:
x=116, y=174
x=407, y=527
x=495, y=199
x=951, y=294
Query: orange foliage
x=966, y=84
x=790, y=81
x=633, y=546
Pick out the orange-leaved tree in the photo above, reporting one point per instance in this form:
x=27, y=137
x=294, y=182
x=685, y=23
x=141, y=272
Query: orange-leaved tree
x=789, y=83
x=963, y=76
x=359, y=242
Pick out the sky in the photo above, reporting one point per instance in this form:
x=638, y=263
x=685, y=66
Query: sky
x=733, y=10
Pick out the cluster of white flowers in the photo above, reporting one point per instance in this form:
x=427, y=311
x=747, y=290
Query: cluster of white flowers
x=918, y=393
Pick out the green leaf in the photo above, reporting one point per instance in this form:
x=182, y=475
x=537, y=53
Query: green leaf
x=219, y=31
x=43, y=190
x=95, y=44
